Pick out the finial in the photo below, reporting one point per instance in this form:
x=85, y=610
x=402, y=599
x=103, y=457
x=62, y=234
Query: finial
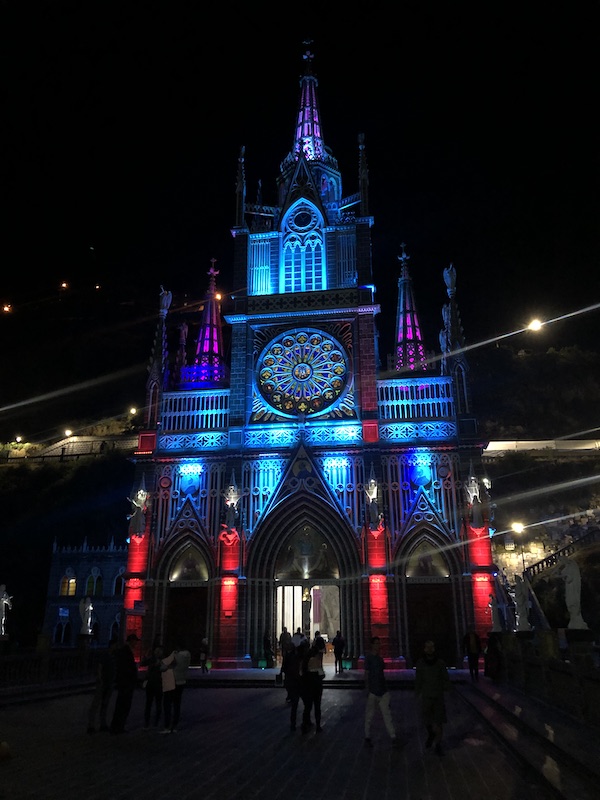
x=308, y=56
x=212, y=271
x=403, y=258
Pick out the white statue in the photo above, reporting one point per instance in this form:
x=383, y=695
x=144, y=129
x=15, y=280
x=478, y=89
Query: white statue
x=5, y=605
x=522, y=603
x=371, y=492
x=496, y=619
x=569, y=571
x=137, y=517
x=85, y=611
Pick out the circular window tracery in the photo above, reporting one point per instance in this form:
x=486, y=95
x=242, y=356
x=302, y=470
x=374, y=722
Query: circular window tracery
x=302, y=372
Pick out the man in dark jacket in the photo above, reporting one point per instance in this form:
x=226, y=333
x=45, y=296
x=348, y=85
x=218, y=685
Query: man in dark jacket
x=125, y=683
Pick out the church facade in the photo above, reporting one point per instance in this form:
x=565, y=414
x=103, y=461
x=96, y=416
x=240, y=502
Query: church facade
x=286, y=480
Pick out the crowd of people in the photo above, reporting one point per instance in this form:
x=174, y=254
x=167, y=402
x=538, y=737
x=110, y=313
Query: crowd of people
x=117, y=673
x=302, y=673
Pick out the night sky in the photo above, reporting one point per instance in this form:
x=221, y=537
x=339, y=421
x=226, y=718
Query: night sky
x=123, y=124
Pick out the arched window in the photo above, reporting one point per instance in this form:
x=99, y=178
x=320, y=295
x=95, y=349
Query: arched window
x=119, y=590
x=93, y=586
x=68, y=584
x=303, y=262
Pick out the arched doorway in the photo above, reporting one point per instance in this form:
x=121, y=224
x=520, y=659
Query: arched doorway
x=307, y=593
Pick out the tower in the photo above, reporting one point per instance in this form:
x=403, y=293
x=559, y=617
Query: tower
x=292, y=484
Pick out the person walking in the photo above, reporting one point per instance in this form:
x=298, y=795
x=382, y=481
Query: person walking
x=105, y=679
x=339, y=645
x=126, y=676
x=377, y=693
x=472, y=650
x=431, y=682
x=153, y=685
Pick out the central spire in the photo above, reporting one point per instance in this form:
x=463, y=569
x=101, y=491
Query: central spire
x=309, y=139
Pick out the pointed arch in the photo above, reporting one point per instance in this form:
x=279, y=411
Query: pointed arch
x=286, y=525
x=427, y=552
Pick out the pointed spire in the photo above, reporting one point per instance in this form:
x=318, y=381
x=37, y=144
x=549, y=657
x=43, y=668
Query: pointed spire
x=209, y=363
x=308, y=140
x=363, y=176
x=240, y=191
x=410, y=351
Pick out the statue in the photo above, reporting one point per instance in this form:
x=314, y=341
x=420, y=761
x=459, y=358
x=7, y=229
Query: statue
x=137, y=518
x=569, y=571
x=85, y=611
x=496, y=619
x=166, y=298
x=5, y=605
x=522, y=603
x=450, y=280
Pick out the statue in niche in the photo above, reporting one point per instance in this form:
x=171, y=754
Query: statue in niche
x=371, y=492
x=522, y=604
x=5, y=606
x=308, y=556
x=85, y=612
x=569, y=571
x=231, y=505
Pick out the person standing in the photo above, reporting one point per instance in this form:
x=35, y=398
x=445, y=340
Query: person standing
x=154, y=694
x=167, y=674
x=472, y=650
x=377, y=693
x=105, y=679
x=126, y=676
x=298, y=638
x=291, y=668
x=268, y=650
x=183, y=658
x=431, y=682
x=285, y=643
x=313, y=676
x=319, y=642
x=339, y=645
x=203, y=656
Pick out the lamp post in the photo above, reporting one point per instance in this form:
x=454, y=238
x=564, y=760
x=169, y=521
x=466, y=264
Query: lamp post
x=518, y=528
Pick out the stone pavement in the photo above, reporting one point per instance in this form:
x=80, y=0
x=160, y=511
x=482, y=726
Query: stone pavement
x=234, y=742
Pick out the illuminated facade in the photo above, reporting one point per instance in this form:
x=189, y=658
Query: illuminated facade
x=292, y=483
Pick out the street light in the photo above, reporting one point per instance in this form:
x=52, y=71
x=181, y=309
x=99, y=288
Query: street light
x=518, y=528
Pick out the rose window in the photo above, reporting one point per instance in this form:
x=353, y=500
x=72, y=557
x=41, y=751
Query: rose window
x=302, y=372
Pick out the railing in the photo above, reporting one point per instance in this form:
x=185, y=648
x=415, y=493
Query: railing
x=200, y=410
x=34, y=669
x=415, y=398
x=552, y=561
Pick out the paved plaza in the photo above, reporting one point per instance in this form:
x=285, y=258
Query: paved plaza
x=235, y=743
